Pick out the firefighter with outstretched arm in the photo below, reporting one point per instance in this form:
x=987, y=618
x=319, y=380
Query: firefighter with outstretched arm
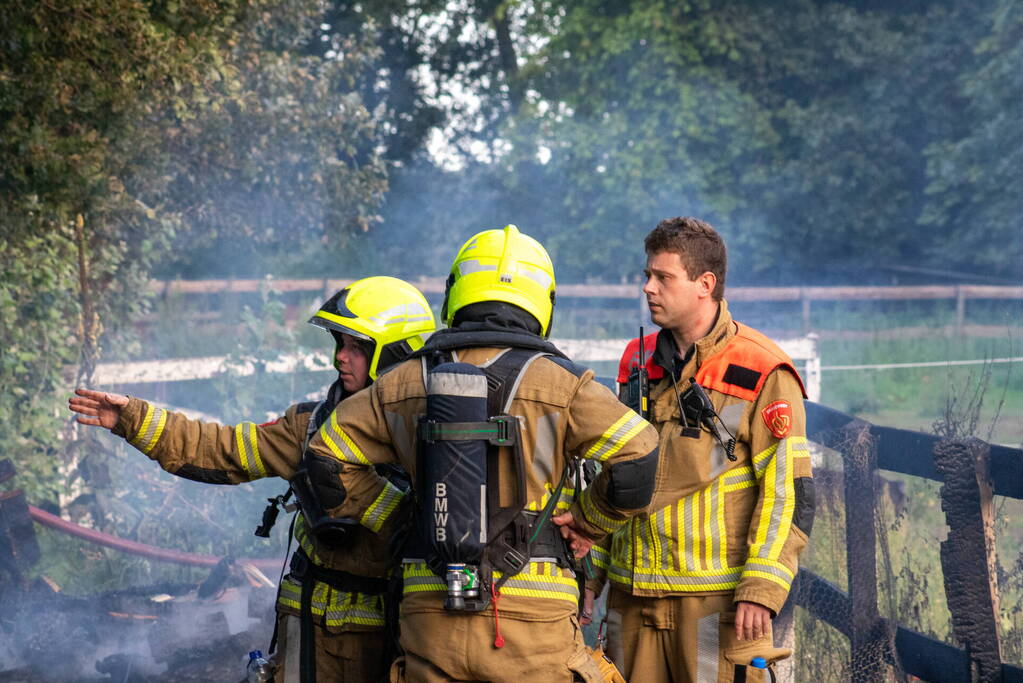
x=330, y=606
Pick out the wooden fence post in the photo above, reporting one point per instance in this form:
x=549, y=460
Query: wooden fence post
x=804, y=299
x=968, y=557
x=960, y=308
x=19, y=548
x=867, y=632
x=784, y=631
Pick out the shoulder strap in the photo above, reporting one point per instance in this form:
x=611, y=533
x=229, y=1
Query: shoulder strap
x=504, y=375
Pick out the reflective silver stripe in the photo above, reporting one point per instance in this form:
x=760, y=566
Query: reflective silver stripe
x=686, y=531
x=612, y=441
x=768, y=568
x=151, y=429
x=518, y=380
x=662, y=530
x=763, y=459
x=382, y=507
x=772, y=547
x=715, y=530
x=727, y=576
x=707, y=646
x=355, y=608
x=543, y=446
x=740, y=475
x=456, y=384
x=402, y=313
x=340, y=444
x=623, y=573
x=427, y=582
x=595, y=516
x=642, y=528
x=536, y=275
x=474, y=266
x=599, y=557
x=532, y=583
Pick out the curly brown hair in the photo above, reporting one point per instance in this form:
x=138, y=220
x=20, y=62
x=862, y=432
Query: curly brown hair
x=698, y=245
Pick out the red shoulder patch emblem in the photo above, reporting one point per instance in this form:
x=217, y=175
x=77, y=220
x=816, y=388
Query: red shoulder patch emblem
x=778, y=417
x=271, y=422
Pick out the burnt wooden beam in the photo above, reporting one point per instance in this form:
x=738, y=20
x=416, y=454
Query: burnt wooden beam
x=19, y=548
x=909, y=452
x=867, y=632
x=968, y=557
x=6, y=470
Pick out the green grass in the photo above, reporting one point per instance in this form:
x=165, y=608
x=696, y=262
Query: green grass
x=914, y=398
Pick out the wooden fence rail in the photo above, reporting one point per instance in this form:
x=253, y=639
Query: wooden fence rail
x=972, y=472
x=804, y=295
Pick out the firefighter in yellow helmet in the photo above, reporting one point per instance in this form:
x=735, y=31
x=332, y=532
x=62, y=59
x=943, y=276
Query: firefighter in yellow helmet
x=490, y=420
x=330, y=608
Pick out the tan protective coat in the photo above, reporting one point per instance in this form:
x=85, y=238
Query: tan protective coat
x=222, y=454
x=564, y=414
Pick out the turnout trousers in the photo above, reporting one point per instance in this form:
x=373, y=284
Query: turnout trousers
x=448, y=647
x=347, y=657
x=682, y=639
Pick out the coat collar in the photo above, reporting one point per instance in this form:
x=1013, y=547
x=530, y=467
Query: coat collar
x=666, y=352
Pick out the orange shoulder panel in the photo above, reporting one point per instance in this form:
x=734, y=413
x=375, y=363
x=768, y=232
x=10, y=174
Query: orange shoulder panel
x=630, y=359
x=741, y=368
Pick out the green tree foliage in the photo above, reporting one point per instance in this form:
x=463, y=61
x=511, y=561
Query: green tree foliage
x=128, y=129
x=798, y=128
x=808, y=131
x=975, y=190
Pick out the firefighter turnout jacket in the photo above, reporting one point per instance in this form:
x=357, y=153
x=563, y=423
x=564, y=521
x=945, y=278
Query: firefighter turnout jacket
x=218, y=454
x=563, y=413
x=719, y=524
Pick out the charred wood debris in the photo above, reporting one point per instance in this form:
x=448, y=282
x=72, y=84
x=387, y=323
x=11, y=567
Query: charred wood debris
x=162, y=632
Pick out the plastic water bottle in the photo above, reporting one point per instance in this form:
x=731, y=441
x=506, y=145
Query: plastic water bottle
x=761, y=663
x=259, y=670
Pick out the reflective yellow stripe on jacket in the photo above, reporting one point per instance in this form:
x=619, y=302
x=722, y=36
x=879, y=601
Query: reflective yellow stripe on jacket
x=337, y=608
x=151, y=430
x=247, y=441
x=340, y=607
x=538, y=580
x=684, y=547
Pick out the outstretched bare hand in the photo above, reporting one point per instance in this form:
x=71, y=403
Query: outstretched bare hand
x=99, y=408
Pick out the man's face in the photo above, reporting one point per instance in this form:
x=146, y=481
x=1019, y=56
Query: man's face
x=353, y=364
x=672, y=297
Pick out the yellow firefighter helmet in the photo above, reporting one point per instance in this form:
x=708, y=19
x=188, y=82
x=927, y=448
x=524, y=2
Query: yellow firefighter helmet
x=390, y=313
x=502, y=265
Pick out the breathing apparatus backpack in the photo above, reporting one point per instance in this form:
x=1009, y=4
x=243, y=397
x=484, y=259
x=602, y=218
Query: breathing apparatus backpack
x=467, y=444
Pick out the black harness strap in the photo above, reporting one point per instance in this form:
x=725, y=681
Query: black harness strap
x=511, y=532
x=303, y=569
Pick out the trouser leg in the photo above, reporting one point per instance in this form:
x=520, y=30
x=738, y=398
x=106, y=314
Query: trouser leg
x=641, y=638
x=442, y=647
x=348, y=657
x=687, y=639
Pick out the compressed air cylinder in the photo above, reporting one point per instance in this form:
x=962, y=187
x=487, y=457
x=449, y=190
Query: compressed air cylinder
x=452, y=474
